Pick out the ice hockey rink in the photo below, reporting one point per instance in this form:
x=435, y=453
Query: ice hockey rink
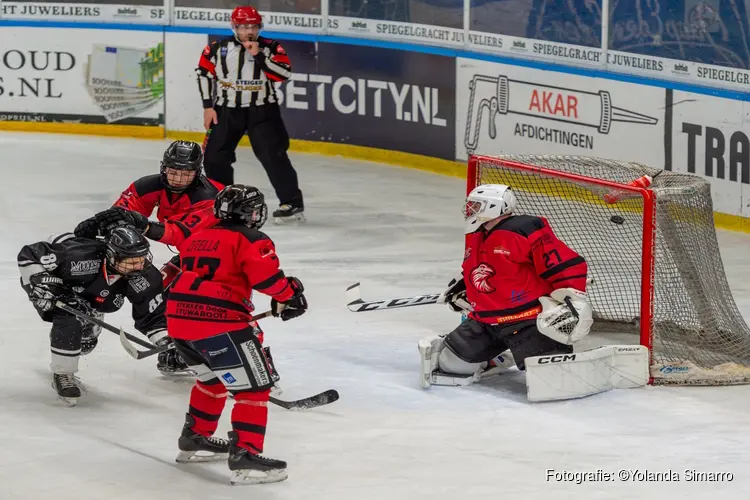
x=399, y=232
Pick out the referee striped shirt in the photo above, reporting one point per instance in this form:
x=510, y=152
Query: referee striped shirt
x=239, y=79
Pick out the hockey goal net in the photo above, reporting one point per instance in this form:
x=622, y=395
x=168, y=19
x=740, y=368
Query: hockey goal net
x=652, y=254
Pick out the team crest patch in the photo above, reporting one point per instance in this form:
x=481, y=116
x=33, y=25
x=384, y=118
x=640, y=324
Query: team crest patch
x=479, y=277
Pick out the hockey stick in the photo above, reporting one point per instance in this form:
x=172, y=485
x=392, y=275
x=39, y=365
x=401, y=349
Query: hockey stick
x=126, y=339
x=136, y=354
x=321, y=399
x=355, y=303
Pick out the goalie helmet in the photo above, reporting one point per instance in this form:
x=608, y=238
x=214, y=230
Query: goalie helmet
x=241, y=203
x=127, y=252
x=488, y=202
x=185, y=156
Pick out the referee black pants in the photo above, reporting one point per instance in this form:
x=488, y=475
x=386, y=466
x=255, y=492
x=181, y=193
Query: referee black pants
x=270, y=141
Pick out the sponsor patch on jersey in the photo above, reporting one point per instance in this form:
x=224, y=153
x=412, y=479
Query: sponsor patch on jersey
x=139, y=284
x=501, y=251
x=479, y=277
x=119, y=301
x=83, y=267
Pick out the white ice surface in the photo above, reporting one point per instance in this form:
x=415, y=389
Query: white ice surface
x=399, y=232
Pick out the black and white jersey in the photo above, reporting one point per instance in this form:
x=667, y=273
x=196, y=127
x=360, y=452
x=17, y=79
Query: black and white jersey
x=80, y=262
x=239, y=79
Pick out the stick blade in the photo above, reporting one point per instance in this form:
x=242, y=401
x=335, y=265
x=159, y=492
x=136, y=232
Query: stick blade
x=127, y=345
x=321, y=399
x=353, y=296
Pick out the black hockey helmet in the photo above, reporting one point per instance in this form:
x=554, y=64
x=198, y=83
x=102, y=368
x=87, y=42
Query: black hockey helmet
x=126, y=242
x=241, y=203
x=182, y=155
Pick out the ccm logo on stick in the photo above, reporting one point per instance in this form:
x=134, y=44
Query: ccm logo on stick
x=562, y=358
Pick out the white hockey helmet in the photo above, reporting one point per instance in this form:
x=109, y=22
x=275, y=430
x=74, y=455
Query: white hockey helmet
x=488, y=202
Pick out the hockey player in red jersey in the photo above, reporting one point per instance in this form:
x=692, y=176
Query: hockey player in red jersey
x=183, y=198
x=524, y=290
x=177, y=190
x=209, y=317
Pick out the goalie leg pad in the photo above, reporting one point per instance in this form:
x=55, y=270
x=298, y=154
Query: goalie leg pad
x=450, y=363
x=568, y=376
x=459, y=357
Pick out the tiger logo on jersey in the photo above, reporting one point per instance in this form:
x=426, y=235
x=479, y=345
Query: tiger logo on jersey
x=479, y=277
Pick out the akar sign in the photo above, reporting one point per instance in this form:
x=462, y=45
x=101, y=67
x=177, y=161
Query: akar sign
x=404, y=102
x=513, y=110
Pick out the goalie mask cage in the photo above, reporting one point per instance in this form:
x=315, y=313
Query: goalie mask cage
x=652, y=254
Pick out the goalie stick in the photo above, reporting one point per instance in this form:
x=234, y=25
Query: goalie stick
x=355, y=303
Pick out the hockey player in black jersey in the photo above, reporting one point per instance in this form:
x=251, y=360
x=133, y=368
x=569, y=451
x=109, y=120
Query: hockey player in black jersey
x=94, y=276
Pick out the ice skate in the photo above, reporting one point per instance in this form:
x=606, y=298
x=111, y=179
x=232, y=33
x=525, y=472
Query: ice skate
x=288, y=214
x=249, y=468
x=170, y=364
x=68, y=388
x=195, y=447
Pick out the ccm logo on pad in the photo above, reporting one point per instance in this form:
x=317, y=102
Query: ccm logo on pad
x=562, y=358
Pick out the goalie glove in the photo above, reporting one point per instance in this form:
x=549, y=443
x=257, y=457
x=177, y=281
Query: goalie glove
x=566, y=315
x=455, y=295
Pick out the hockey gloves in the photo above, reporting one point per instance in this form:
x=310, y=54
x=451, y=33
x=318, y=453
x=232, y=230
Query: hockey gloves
x=44, y=289
x=109, y=219
x=295, y=306
x=455, y=295
x=87, y=229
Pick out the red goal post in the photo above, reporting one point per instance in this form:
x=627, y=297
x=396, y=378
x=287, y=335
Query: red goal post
x=652, y=254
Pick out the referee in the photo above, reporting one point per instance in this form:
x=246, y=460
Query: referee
x=241, y=70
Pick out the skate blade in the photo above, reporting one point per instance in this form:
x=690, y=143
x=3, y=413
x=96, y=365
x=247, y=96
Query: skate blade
x=189, y=457
x=292, y=219
x=180, y=373
x=69, y=402
x=251, y=476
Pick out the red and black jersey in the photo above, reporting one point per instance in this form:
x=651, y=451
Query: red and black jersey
x=239, y=78
x=149, y=192
x=221, y=266
x=508, y=268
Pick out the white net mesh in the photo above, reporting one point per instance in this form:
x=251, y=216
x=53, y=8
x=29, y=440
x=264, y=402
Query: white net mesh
x=696, y=333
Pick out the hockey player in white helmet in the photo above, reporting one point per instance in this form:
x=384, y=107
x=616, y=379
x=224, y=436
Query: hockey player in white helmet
x=523, y=290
